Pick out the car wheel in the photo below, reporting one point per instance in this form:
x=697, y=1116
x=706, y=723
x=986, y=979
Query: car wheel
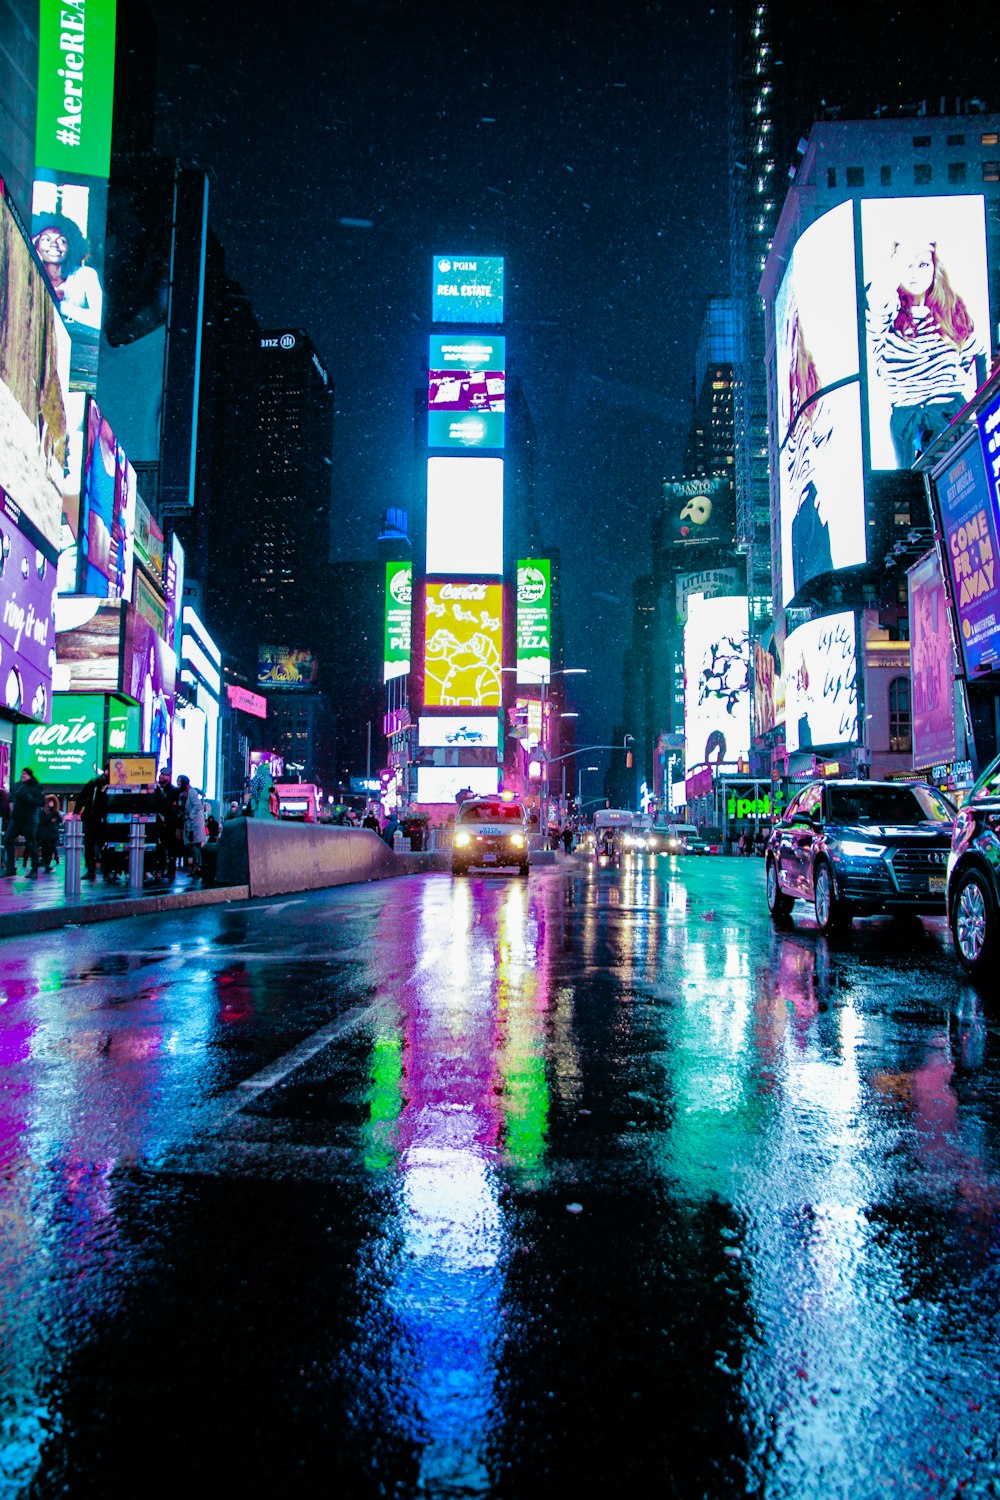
x=522, y=871
x=831, y=914
x=460, y=869
x=778, y=904
x=973, y=923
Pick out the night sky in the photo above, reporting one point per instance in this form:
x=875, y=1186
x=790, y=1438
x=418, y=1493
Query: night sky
x=588, y=150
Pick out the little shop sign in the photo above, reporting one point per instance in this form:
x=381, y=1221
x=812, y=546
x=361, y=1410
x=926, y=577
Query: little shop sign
x=68, y=751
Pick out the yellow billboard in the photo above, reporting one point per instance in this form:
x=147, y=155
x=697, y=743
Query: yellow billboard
x=463, y=645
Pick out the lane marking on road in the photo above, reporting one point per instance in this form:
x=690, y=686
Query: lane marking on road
x=275, y=1072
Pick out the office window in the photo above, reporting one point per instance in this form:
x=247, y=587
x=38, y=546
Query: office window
x=990, y=138
x=991, y=171
x=922, y=173
x=899, y=714
x=855, y=177
x=956, y=140
x=921, y=140
x=885, y=176
x=956, y=171
x=831, y=176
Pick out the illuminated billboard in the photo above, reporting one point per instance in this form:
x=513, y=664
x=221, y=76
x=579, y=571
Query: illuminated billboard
x=466, y=392
x=398, y=604
x=443, y=783
x=107, y=512
x=969, y=524
x=452, y=731
x=712, y=582
x=27, y=621
x=68, y=219
x=932, y=665
x=464, y=516
x=149, y=675
x=34, y=386
x=821, y=490
x=285, y=667
x=89, y=635
x=467, y=289
x=148, y=539
x=534, y=619
x=76, y=86
x=821, y=685
x=717, y=681
x=698, y=510
x=927, y=318
x=463, y=645
x=69, y=750
x=820, y=460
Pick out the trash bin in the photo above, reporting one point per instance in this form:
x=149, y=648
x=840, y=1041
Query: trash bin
x=209, y=862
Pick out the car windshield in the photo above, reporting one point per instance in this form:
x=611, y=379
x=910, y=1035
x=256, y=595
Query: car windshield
x=900, y=806
x=988, y=785
x=491, y=812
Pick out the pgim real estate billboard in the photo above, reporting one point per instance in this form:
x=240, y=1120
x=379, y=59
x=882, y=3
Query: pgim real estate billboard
x=467, y=289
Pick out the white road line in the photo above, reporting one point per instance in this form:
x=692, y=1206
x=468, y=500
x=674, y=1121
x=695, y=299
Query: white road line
x=276, y=1072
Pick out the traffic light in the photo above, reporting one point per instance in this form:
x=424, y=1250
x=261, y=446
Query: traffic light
x=628, y=759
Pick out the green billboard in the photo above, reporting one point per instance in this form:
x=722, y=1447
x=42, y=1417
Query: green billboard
x=76, y=86
x=534, y=619
x=398, y=602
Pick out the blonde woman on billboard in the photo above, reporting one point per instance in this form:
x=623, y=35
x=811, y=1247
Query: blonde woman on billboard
x=810, y=430
x=923, y=345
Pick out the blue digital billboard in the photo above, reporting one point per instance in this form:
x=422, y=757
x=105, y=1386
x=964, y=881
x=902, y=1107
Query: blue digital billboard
x=466, y=390
x=467, y=289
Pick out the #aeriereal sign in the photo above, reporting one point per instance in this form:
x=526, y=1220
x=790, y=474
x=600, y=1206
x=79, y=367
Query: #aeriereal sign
x=398, y=602
x=76, y=85
x=970, y=534
x=534, y=620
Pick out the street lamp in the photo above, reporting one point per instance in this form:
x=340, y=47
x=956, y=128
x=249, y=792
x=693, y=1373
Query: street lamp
x=579, y=783
x=543, y=679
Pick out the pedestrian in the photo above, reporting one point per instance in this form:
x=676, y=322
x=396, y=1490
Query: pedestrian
x=91, y=806
x=370, y=820
x=167, y=830
x=191, y=816
x=49, y=824
x=26, y=804
x=390, y=827
x=234, y=810
x=567, y=837
x=211, y=824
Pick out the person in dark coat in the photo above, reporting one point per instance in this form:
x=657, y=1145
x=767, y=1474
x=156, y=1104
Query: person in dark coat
x=168, y=829
x=25, y=806
x=49, y=824
x=370, y=820
x=390, y=829
x=91, y=806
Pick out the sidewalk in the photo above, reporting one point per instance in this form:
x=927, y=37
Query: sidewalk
x=42, y=905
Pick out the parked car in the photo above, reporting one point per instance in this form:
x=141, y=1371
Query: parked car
x=713, y=839
x=973, y=889
x=854, y=848
x=490, y=832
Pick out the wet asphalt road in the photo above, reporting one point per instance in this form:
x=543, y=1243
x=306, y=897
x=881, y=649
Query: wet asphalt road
x=594, y=1184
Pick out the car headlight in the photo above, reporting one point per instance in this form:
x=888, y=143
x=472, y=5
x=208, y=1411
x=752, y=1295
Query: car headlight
x=651, y=844
x=854, y=849
x=517, y=839
x=461, y=840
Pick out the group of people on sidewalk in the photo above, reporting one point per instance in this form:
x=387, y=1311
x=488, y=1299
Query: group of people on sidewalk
x=30, y=816
x=184, y=824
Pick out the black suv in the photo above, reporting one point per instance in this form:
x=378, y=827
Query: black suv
x=489, y=832
x=974, y=874
x=854, y=848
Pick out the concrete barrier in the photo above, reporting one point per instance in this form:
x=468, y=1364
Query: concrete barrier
x=275, y=857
